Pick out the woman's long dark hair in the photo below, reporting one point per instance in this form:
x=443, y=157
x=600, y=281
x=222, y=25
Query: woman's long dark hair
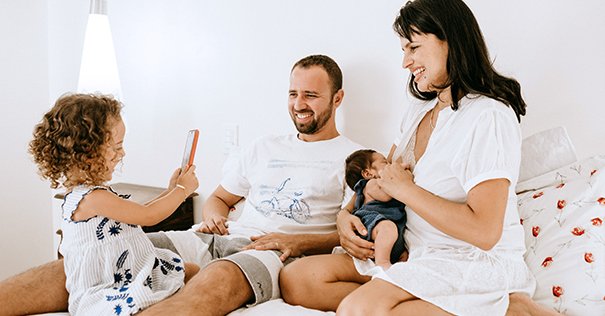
x=469, y=66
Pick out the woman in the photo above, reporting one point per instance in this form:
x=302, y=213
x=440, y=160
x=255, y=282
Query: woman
x=458, y=162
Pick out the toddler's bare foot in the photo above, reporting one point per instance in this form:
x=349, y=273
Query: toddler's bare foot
x=521, y=305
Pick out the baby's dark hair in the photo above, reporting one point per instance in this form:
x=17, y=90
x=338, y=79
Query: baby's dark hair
x=357, y=162
x=69, y=142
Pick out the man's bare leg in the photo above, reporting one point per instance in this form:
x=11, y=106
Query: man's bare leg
x=217, y=289
x=521, y=305
x=38, y=290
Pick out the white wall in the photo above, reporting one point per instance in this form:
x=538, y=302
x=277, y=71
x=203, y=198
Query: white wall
x=25, y=230
x=203, y=64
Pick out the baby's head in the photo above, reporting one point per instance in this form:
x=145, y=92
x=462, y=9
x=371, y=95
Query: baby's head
x=79, y=141
x=363, y=164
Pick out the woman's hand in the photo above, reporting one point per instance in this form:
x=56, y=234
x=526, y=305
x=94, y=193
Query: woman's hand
x=356, y=246
x=394, y=178
x=216, y=224
x=284, y=243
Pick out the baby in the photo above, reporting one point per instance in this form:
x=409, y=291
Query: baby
x=383, y=216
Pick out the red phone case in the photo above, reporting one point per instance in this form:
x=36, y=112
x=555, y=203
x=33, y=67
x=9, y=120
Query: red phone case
x=190, y=147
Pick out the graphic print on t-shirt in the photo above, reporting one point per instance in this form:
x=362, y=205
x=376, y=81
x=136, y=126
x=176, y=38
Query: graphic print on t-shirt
x=285, y=203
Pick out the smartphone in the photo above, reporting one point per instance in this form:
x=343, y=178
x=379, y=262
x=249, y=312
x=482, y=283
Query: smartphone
x=190, y=149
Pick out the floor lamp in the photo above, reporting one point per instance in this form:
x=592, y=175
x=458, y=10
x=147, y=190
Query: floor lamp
x=99, y=70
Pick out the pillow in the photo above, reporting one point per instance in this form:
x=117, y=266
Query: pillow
x=565, y=237
x=545, y=151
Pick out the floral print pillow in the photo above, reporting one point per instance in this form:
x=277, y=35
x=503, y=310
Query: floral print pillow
x=565, y=237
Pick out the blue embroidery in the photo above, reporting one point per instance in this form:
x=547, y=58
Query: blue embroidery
x=122, y=259
x=128, y=277
x=117, y=297
x=284, y=205
x=100, y=228
x=115, y=229
x=148, y=282
x=118, y=309
x=129, y=302
x=167, y=264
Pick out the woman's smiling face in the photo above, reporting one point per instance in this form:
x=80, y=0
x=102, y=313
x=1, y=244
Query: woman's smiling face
x=426, y=58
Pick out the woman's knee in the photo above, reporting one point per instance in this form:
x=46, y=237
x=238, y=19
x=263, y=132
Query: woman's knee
x=295, y=281
x=354, y=305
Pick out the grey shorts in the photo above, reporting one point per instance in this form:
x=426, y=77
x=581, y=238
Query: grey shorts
x=261, y=268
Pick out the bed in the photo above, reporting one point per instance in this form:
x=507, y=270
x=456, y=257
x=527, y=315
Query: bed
x=561, y=202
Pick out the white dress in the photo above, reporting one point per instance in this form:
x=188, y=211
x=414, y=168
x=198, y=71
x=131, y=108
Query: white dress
x=478, y=142
x=111, y=267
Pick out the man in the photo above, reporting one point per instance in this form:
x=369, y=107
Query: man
x=294, y=186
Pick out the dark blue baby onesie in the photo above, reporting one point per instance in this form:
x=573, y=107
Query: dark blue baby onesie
x=374, y=211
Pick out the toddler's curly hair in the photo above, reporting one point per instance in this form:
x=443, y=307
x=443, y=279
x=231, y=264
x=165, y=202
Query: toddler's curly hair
x=70, y=142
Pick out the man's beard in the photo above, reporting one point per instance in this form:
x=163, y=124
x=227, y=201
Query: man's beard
x=315, y=125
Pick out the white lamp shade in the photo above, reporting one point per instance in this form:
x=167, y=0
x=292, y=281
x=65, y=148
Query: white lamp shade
x=99, y=70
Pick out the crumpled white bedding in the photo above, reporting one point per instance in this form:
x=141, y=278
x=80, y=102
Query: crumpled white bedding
x=542, y=152
x=275, y=307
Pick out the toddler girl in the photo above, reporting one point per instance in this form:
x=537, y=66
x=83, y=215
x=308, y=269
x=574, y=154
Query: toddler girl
x=111, y=266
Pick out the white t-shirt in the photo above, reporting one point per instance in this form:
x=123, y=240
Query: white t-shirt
x=478, y=142
x=290, y=186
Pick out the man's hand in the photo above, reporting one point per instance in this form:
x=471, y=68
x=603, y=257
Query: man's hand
x=285, y=243
x=349, y=241
x=216, y=224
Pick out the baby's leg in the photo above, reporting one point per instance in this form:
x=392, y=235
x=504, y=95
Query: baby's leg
x=385, y=234
x=191, y=269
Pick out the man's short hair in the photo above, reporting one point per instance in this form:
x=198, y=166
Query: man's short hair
x=328, y=64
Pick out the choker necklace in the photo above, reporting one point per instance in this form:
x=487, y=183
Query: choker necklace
x=431, y=120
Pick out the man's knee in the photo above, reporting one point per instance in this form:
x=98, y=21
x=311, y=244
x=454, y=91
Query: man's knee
x=225, y=275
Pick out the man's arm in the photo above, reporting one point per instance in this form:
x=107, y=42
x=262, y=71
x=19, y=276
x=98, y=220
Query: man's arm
x=216, y=210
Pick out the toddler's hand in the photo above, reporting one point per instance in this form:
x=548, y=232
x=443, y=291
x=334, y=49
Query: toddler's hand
x=174, y=179
x=188, y=179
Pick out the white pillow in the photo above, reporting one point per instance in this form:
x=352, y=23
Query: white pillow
x=545, y=151
x=565, y=237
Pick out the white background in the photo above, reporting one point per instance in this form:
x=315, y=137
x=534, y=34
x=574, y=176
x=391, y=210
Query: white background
x=203, y=64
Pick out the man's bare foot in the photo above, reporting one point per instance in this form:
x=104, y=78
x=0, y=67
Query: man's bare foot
x=521, y=305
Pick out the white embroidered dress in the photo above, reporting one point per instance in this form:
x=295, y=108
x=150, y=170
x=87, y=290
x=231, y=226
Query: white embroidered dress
x=478, y=142
x=112, y=268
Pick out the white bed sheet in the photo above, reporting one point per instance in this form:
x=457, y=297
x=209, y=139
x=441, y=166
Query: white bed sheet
x=275, y=307
x=541, y=153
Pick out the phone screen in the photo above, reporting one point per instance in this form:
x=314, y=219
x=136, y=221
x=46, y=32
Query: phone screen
x=190, y=149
